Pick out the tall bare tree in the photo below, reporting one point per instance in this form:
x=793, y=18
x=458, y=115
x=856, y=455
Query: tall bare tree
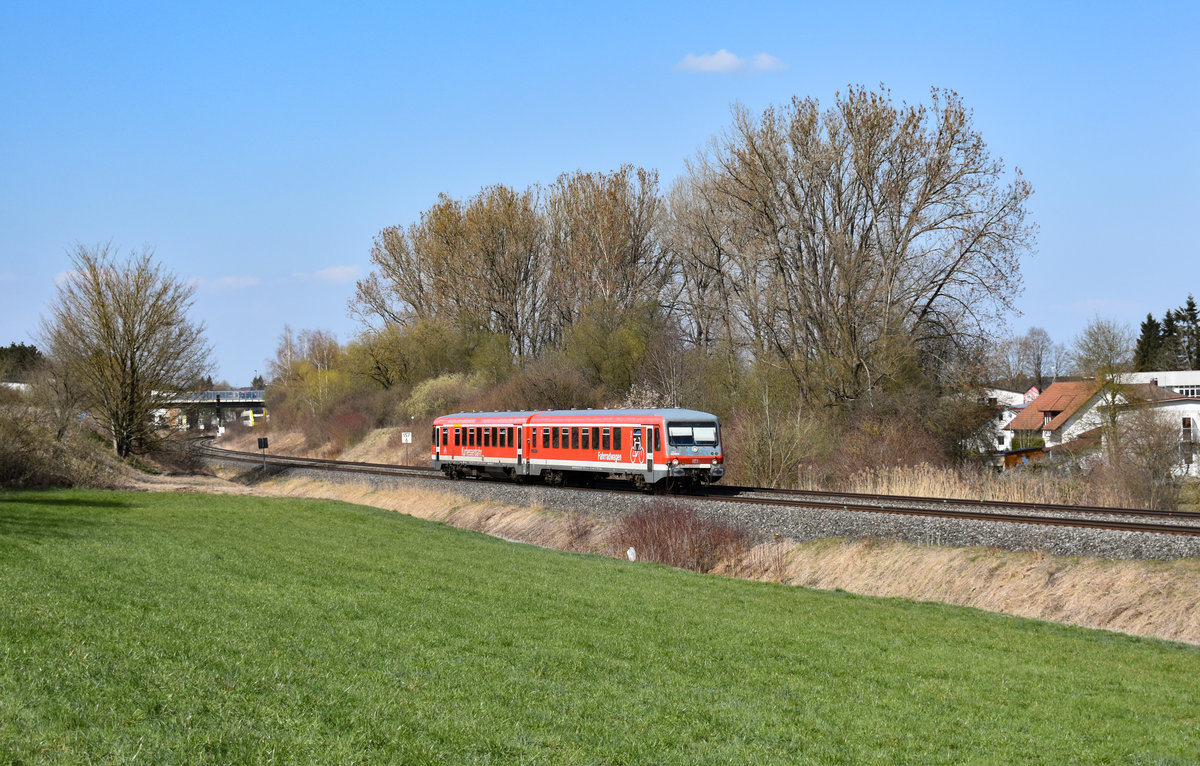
x=478, y=265
x=604, y=244
x=120, y=330
x=866, y=234
x=1038, y=355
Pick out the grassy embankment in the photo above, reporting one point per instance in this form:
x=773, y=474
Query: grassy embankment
x=231, y=629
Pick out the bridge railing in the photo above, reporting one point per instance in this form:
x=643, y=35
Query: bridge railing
x=211, y=397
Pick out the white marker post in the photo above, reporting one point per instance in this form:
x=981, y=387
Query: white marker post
x=406, y=437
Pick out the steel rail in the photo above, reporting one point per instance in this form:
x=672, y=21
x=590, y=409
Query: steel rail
x=964, y=502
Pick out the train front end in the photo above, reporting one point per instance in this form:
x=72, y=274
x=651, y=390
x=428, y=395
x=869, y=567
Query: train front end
x=693, y=448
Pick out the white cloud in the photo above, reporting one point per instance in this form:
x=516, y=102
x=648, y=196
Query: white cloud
x=765, y=62
x=724, y=62
x=225, y=284
x=333, y=274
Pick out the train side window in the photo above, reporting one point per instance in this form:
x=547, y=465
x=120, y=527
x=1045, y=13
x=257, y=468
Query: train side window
x=575, y=438
x=545, y=438
x=503, y=437
x=587, y=442
x=511, y=443
x=495, y=443
x=445, y=437
x=458, y=436
x=554, y=438
x=470, y=437
x=657, y=440
x=566, y=437
x=617, y=438
x=487, y=437
x=606, y=441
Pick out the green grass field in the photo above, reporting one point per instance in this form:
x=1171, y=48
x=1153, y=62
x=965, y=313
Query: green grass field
x=196, y=628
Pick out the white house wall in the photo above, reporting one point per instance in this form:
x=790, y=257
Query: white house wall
x=1186, y=382
x=1177, y=410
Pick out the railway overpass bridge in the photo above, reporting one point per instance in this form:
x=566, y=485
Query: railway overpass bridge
x=212, y=409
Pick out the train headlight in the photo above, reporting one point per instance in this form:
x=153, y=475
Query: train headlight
x=716, y=461
x=675, y=462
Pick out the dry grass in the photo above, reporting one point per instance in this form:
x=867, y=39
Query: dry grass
x=1156, y=599
x=925, y=480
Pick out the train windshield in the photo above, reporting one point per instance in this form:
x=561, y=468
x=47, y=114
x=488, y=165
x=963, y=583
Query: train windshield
x=689, y=434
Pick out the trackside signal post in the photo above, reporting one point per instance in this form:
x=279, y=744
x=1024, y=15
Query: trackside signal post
x=262, y=446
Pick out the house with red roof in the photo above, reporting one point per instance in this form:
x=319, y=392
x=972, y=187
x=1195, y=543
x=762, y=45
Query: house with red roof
x=1061, y=413
x=1069, y=410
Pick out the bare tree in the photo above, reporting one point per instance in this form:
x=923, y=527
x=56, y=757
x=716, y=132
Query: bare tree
x=1003, y=362
x=1148, y=459
x=604, y=244
x=478, y=265
x=1036, y=352
x=866, y=233
x=120, y=330
x=1104, y=350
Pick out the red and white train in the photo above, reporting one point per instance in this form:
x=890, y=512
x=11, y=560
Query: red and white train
x=666, y=448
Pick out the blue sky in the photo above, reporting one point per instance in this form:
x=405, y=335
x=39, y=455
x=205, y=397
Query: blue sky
x=259, y=147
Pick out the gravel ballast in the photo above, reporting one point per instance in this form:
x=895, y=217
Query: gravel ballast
x=768, y=522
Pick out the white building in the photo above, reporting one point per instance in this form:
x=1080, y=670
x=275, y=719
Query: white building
x=1183, y=382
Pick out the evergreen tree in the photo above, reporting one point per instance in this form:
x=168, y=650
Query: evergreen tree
x=1169, y=350
x=1148, y=345
x=1189, y=334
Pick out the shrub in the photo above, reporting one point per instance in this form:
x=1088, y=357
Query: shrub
x=31, y=456
x=675, y=535
x=440, y=395
x=348, y=428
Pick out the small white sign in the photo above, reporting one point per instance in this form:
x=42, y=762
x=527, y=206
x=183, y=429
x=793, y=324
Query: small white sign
x=406, y=437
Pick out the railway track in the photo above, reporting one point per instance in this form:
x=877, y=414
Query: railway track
x=1101, y=518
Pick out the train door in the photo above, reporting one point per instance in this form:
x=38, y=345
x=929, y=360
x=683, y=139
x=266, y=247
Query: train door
x=650, y=446
x=520, y=447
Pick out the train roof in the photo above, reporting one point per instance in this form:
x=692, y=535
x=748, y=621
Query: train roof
x=534, y=416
